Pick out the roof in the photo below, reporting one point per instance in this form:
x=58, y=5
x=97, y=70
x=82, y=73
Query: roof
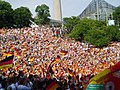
x=92, y=7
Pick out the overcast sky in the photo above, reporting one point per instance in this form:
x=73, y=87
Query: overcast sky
x=69, y=7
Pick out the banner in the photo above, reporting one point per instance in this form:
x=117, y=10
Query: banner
x=95, y=87
x=110, y=78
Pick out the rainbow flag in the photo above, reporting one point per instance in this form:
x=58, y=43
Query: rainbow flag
x=7, y=62
x=52, y=86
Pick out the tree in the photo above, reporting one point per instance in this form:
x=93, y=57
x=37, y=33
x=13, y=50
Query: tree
x=22, y=17
x=43, y=14
x=97, y=38
x=6, y=19
x=116, y=15
x=118, y=36
x=113, y=33
x=93, y=32
x=71, y=22
x=85, y=25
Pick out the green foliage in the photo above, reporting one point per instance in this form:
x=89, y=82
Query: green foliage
x=22, y=17
x=9, y=18
x=82, y=28
x=116, y=15
x=94, y=32
x=71, y=22
x=112, y=32
x=5, y=14
x=43, y=14
x=118, y=36
x=97, y=38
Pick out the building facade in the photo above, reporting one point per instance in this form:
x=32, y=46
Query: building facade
x=98, y=10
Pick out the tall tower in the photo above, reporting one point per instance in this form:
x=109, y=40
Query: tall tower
x=57, y=10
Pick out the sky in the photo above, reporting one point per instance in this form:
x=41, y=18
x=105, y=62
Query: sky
x=69, y=7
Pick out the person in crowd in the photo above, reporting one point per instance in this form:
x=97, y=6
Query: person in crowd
x=36, y=49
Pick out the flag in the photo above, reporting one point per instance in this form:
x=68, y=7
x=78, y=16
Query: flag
x=115, y=67
x=7, y=62
x=71, y=73
x=18, y=53
x=52, y=86
x=60, y=74
x=56, y=60
x=10, y=54
x=50, y=71
x=7, y=54
x=63, y=52
x=43, y=71
x=112, y=63
x=31, y=59
x=4, y=54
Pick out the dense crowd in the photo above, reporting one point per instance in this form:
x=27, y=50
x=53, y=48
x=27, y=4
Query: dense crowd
x=37, y=49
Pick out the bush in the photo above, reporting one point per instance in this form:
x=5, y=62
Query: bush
x=97, y=38
x=113, y=33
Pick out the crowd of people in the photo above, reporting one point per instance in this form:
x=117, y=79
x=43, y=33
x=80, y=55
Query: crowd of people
x=38, y=50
